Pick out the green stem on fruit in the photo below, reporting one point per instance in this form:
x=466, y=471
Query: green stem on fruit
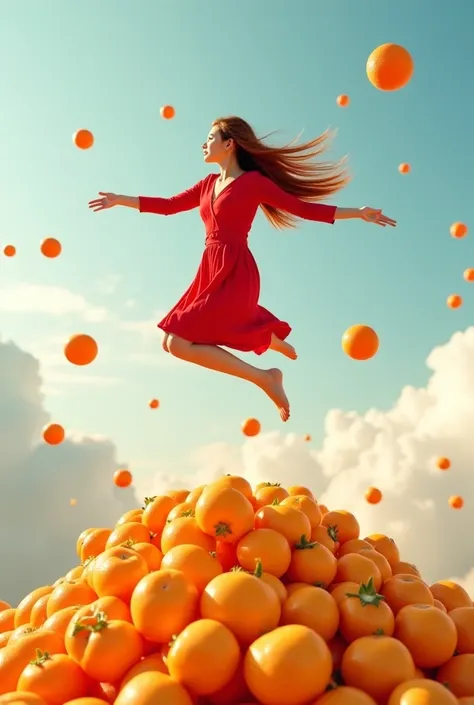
x=367, y=594
x=222, y=529
x=258, y=572
x=101, y=623
x=304, y=543
x=41, y=658
x=148, y=500
x=333, y=533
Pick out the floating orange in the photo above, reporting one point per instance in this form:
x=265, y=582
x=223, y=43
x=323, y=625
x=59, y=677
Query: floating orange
x=458, y=230
x=53, y=434
x=373, y=495
x=153, y=403
x=251, y=427
x=307, y=437
x=73, y=502
x=9, y=250
x=404, y=168
x=454, y=301
x=84, y=139
x=360, y=342
x=443, y=463
x=81, y=349
x=456, y=502
x=123, y=478
x=343, y=100
x=469, y=275
x=50, y=247
x=389, y=67
x=167, y=112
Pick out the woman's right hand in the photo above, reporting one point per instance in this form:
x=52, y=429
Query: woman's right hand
x=108, y=200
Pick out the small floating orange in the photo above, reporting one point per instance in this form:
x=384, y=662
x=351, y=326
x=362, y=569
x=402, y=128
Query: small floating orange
x=123, y=478
x=454, y=301
x=53, y=434
x=251, y=427
x=373, y=495
x=404, y=168
x=456, y=502
x=343, y=100
x=51, y=248
x=9, y=250
x=360, y=342
x=153, y=403
x=81, y=349
x=167, y=112
x=443, y=463
x=83, y=139
x=458, y=230
x=469, y=275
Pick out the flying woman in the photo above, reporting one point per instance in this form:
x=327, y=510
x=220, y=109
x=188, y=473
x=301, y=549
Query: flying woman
x=221, y=307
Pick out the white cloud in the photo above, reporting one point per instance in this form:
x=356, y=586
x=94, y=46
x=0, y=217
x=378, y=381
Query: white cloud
x=394, y=450
x=46, y=299
x=37, y=482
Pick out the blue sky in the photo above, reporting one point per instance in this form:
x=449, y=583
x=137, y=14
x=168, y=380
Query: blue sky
x=109, y=67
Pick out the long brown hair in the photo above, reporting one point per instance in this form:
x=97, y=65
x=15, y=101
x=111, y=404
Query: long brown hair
x=292, y=166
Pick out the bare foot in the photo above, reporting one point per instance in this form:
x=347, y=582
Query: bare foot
x=288, y=350
x=272, y=385
x=281, y=346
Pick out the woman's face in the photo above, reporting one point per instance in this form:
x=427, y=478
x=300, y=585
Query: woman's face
x=215, y=149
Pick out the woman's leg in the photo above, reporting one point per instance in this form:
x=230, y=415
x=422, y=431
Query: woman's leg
x=283, y=347
x=215, y=358
x=164, y=342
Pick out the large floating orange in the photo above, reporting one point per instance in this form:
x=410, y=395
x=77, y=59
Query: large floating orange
x=81, y=349
x=167, y=112
x=53, y=434
x=389, y=67
x=251, y=427
x=84, y=139
x=51, y=248
x=360, y=342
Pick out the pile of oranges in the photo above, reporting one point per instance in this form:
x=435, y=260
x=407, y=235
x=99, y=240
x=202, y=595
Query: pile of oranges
x=233, y=595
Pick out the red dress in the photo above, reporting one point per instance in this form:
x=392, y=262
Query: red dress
x=221, y=305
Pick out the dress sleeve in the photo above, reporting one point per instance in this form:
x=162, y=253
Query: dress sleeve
x=271, y=194
x=185, y=201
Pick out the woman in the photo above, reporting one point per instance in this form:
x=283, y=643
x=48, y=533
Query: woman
x=221, y=307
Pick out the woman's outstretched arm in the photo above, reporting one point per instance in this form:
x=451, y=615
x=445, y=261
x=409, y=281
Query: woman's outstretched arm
x=272, y=195
x=184, y=201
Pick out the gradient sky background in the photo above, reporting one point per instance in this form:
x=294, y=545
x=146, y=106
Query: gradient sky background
x=109, y=67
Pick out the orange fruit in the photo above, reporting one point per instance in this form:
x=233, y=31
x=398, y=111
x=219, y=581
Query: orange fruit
x=404, y=168
x=51, y=248
x=454, y=301
x=458, y=230
x=469, y=275
x=456, y=502
x=153, y=403
x=53, y=434
x=360, y=342
x=343, y=100
x=9, y=250
x=81, y=349
x=83, y=139
x=373, y=495
x=389, y=67
x=122, y=478
x=251, y=427
x=167, y=112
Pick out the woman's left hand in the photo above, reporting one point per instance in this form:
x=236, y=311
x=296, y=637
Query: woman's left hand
x=375, y=215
